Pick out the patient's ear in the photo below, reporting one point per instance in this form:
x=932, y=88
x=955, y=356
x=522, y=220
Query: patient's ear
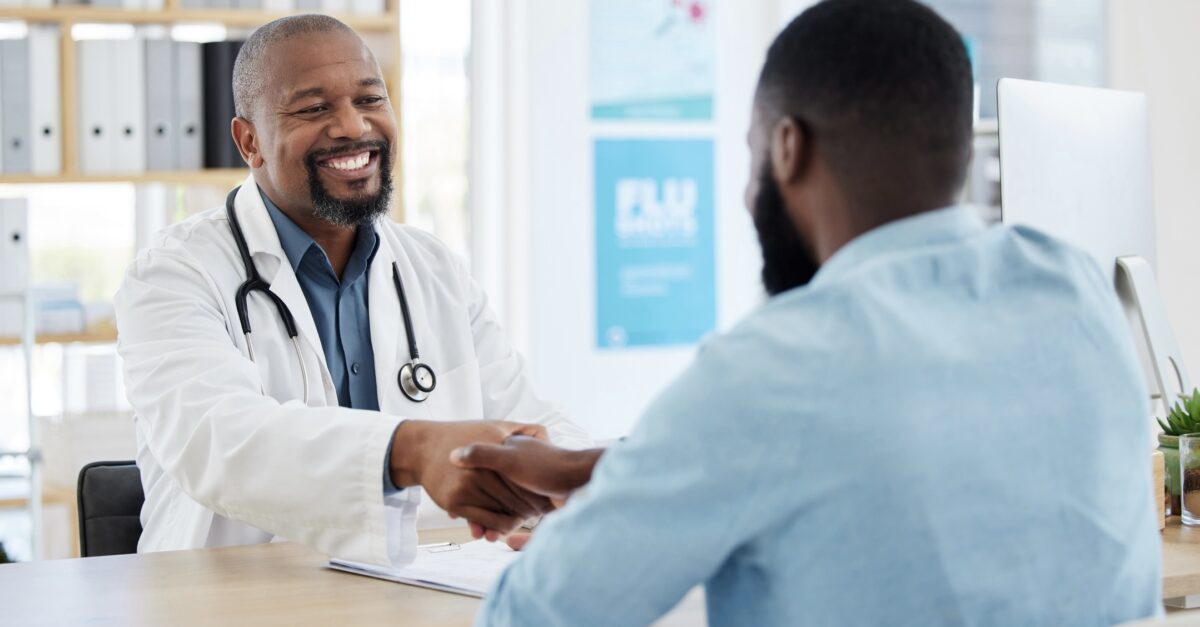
x=789, y=150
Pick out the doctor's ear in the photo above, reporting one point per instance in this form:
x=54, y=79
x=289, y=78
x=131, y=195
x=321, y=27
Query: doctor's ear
x=246, y=139
x=790, y=149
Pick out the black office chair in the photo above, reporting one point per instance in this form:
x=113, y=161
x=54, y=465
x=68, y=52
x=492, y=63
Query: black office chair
x=110, y=505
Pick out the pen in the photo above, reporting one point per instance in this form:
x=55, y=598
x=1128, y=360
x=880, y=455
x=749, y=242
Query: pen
x=439, y=547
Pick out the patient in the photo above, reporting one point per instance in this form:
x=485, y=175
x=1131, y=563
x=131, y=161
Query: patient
x=930, y=422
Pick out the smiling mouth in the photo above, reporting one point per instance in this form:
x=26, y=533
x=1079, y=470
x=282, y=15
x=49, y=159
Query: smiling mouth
x=349, y=163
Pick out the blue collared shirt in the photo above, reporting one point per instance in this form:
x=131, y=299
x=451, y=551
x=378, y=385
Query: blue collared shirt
x=947, y=426
x=338, y=306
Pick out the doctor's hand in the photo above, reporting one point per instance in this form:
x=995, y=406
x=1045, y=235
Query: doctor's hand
x=532, y=464
x=421, y=456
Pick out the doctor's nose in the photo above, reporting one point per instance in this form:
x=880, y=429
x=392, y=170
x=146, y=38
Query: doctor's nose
x=348, y=123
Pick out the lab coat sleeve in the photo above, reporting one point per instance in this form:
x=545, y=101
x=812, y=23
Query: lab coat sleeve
x=308, y=474
x=507, y=391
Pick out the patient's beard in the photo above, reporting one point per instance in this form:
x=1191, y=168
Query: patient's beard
x=788, y=261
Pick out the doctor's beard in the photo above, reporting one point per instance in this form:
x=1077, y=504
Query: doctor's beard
x=355, y=211
x=788, y=261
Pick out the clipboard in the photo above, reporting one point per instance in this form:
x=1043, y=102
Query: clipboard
x=468, y=569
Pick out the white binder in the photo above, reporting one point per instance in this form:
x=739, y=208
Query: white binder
x=128, y=106
x=14, y=247
x=44, y=99
x=133, y=5
x=189, y=106
x=14, y=99
x=368, y=7
x=162, y=151
x=279, y=6
x=93, y=103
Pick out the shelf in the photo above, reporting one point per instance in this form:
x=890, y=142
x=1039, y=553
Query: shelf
x=74, y=14
x=97, y=337
x=222, y=177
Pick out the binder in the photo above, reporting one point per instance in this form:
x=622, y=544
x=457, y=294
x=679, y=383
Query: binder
x=1, y=117
x=159, y=88
x=44, y=100
x=14, y=247
x=189, y=106
x=133, y=5
x=14, y=99
x=279, y=6
x=219, y=149
x=368, y=7
x=127, y=106
x=94, y=63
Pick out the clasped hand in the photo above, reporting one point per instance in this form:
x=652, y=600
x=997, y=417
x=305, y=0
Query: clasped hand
x=530, y=465
x=421, y=456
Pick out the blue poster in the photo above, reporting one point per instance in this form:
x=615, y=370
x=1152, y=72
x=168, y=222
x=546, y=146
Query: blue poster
x=652, y=59
x=655, y=267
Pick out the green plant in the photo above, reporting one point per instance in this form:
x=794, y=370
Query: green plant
x=3, y=555
x=1184, y=416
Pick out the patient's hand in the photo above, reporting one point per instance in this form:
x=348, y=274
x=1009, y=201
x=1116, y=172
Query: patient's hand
x=531, y=464
x=421, y=452
x=516, y=541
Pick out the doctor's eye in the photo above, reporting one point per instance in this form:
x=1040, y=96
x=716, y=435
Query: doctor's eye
x=371, y=100
x=313, y=109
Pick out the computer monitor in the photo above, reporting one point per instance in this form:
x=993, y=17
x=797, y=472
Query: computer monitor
x=1075, y=163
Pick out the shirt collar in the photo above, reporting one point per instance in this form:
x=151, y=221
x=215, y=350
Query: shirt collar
x=924, y=229
x=296, y=243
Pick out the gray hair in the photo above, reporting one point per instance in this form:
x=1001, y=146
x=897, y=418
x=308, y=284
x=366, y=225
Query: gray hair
x=249, y=74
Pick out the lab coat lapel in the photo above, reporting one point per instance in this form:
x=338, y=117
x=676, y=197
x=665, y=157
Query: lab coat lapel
x=386, y=323
x=263, y=242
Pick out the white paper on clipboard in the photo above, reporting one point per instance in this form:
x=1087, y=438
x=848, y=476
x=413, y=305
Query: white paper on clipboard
x=470, y=569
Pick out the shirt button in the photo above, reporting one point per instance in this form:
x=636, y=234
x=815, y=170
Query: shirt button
x=354, y=368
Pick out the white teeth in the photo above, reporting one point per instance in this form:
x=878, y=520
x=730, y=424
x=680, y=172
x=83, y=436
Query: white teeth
x=352, y=164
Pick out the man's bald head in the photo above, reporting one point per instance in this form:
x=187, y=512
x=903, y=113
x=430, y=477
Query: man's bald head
x=251, y=67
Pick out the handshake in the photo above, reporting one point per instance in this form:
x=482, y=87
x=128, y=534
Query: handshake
x=494, y=474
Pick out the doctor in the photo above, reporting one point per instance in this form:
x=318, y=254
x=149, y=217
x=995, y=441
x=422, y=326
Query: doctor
x=301, y=368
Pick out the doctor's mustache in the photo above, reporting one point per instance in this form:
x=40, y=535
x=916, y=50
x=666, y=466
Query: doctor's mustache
x=382, y=145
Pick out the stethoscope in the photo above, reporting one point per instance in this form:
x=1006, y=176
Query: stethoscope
x=416, y=379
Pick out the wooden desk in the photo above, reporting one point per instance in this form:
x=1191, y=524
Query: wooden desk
x=264, y=584
x=1181, y=559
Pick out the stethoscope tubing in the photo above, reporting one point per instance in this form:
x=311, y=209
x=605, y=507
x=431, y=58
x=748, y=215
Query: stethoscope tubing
x=255, y=283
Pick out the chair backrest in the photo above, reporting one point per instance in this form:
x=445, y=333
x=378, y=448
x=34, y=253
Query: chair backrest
x=110, y=506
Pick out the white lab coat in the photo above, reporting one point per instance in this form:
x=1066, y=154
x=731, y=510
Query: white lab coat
x=228, y=451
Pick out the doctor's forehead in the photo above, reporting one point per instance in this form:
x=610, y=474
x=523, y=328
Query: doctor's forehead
x=316, y=64
x=298, y=53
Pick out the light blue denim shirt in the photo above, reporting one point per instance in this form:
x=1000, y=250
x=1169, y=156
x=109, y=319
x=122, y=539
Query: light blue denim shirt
x=947, y=426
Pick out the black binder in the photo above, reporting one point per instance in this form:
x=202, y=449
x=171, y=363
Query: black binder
x=219, y=149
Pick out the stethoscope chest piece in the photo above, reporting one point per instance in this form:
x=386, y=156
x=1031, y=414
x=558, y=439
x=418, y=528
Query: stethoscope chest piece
x=417, y=381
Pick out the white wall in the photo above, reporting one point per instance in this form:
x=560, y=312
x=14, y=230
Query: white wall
x=1153, y=48
x=545, y=202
